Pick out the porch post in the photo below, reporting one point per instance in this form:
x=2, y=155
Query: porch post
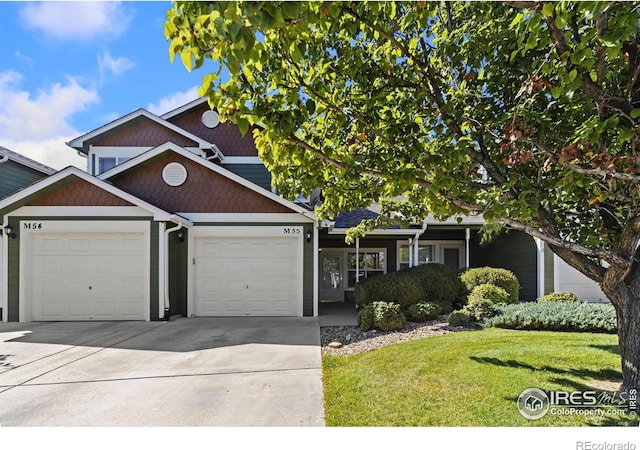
x=467, y=237
x=416, y=251
x=411, y=264
x=357, y=260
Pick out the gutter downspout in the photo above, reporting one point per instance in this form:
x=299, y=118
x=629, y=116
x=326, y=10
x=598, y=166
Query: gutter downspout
x=416, y=243
x=166, y=299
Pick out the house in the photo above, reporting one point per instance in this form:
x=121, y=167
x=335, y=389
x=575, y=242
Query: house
x=175, y=216
x=16, y=172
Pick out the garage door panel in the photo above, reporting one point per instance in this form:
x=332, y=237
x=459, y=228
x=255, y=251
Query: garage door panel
x=89, y=276
x=247, y=276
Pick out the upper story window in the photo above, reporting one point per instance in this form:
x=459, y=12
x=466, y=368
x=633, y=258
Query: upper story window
x=106, y=163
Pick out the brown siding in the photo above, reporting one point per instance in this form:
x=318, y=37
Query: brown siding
x=204, y=191
x=142, y=132
x=80, y=193
x=226, y=136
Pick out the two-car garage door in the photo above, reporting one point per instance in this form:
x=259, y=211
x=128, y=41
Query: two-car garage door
x=88, y=276
x=248, y=276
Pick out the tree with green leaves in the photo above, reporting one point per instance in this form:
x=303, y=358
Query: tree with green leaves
x=525, y=112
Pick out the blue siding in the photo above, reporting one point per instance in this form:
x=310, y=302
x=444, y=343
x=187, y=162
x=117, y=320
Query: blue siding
x=14, y=176
x=256, y=173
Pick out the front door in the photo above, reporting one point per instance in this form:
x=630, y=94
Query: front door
x=331, y=283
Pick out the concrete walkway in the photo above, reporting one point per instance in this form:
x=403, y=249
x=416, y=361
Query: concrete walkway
x=188, y=372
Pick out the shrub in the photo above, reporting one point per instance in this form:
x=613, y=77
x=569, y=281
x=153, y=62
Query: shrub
x=488, y=293
x=498, y=277
x=422, y=312
x=394, y=287
x=566, y=297
x=440, y=284
x=388, y=316
x=459, y=319
x=556, y=316
x=365, y=317
x=481, y=309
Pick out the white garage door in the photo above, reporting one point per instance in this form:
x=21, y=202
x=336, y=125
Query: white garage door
x=89, y=276
x=247, y=276
x=569, y=279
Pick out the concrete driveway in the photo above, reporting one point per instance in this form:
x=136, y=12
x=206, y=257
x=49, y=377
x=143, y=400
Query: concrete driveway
x=187, y=372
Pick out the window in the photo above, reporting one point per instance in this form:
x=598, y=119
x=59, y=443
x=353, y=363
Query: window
x=425, y=255
x=370, y=264
x=450, y=253
x=106, y=163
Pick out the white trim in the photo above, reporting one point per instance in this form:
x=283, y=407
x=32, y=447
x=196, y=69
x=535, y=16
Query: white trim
x=465, y=220
x=78, y=143
x=75, y=226
x=4, y=273
x=556, y=273
x=316, y=269
x=158, y=214
x=242, y=160
x=294, y=232
x=93, y=211
x=379, y=232
x=24, y=161
x=184, y=108
x=245, y=217
x=170, y=146
x=161, y=268
x=540, y=246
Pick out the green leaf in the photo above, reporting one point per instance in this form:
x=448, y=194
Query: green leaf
x=635, y=113
x=547, y=9
x=243, y=125
x=186, y=58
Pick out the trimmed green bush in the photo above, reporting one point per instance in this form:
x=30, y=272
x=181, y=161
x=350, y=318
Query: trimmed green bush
x=436, y=283
x=556, y=316
x=567, y=297
x=388, y=316
x=459, y=319
x=365, y=317
x=498, y=277
x=481, y=309
x=422, y=312
x=488, y=293
x=440, y=284
x=394, y=287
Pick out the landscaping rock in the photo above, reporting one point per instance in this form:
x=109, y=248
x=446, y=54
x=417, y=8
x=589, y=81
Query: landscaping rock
x=358, y=341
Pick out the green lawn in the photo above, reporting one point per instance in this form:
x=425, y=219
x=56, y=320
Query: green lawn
x=469, y=379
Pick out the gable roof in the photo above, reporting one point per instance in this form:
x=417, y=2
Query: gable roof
x=170, y=146
x=27, y=162
x=81, y=143
x=68, y=172
x=176, y=112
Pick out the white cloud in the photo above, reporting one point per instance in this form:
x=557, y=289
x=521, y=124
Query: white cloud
x=53, y=152
x=23, y=117
x=116, y=66
x=173, y=101
x=73, y=20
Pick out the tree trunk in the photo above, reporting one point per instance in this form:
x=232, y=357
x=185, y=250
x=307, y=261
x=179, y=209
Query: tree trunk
x=626, y=299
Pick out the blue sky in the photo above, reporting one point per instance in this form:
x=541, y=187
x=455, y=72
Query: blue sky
x=67, y=68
